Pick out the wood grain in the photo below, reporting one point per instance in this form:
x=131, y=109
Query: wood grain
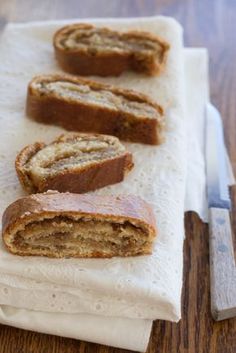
x=207, y=23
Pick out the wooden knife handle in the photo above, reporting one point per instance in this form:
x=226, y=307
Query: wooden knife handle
x=222, y=265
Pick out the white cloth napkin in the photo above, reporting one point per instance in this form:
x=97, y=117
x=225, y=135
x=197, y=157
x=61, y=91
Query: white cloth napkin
x=106, y=301
x=145, y=287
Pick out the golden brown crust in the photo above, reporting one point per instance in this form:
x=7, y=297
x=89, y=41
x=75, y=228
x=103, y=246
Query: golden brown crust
x=85, y=117
x=21, y=159
x=82, y=61
x=80, y=180
x=46, y=206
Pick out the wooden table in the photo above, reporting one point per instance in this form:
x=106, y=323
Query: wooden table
x=208, y=23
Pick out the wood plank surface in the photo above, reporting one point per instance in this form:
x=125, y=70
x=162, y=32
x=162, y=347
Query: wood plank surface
x=208, y=23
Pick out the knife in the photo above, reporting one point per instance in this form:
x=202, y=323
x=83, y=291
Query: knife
x=222, y=261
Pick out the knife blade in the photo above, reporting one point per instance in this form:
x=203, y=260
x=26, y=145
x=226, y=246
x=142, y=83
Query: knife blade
x=217, y=175
x=222, y=261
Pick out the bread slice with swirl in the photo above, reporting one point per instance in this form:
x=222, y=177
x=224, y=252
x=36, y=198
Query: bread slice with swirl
x=70, y=225
x=84, y=49
x=83, y=105
x=73, y=162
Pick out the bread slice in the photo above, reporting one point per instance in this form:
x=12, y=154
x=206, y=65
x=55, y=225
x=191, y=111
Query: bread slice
x=71, y=225
x=73, y=162
x=83, y=105
x=85, y=49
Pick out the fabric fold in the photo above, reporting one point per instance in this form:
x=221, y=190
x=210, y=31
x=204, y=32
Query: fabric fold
x=117, y=332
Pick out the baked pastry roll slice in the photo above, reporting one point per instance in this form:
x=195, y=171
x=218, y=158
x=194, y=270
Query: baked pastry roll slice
x=83, y=105
x=73, y=162
x=84, y=49
x=73, y=225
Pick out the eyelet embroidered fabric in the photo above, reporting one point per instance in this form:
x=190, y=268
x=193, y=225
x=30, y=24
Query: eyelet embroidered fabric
x=147, y=287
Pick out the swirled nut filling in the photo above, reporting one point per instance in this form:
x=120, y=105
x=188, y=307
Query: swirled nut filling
x=101, y=98
x=71, y=152
x=84, y=236
x=100, y=39
x=58, y=225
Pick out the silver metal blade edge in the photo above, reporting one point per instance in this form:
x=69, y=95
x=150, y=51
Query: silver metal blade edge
x=216, y=167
